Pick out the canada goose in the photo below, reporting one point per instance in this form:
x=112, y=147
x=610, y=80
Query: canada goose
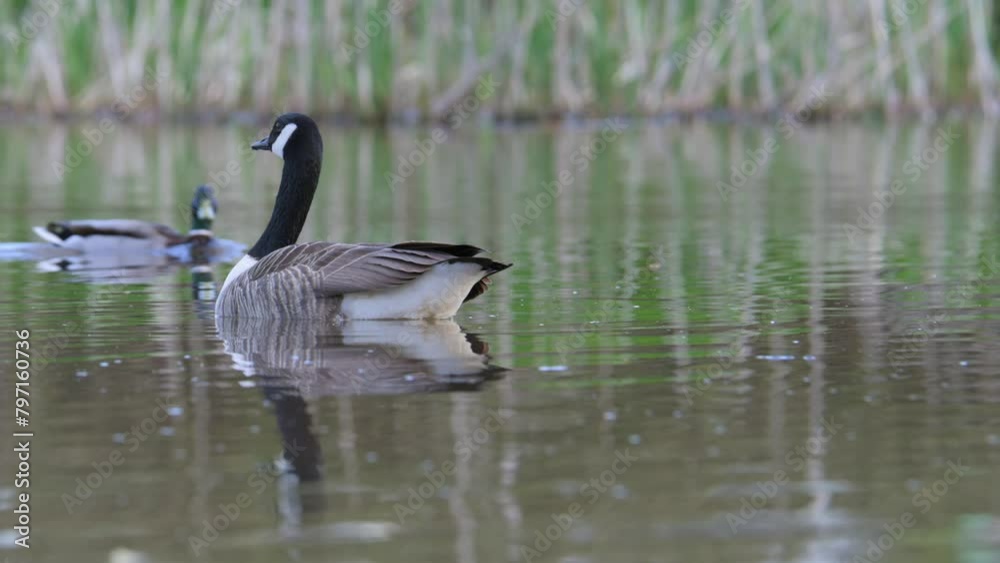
x=337, y=281
x=117, y=235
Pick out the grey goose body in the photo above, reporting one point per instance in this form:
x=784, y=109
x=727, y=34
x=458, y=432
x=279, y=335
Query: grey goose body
x=339, y=281
x=336, y=281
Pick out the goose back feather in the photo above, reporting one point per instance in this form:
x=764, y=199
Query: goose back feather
x=313, y=279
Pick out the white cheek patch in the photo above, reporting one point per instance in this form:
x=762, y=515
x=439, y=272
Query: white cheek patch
x=278, y=147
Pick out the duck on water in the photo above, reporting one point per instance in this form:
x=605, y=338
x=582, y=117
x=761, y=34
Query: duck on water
x=130, y=235
x=338, y=281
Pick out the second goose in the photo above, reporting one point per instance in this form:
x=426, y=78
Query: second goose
x=336, y=281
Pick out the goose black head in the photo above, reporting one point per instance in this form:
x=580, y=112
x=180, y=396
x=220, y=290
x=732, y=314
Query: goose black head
x=203, y=208
x=294, y=136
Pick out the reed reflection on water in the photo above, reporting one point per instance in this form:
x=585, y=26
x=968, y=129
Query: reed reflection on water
x=717, y=340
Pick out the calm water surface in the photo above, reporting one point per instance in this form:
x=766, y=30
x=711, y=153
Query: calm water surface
x=665, y=375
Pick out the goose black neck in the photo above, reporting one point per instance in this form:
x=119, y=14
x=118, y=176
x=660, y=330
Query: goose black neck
x=299, y=179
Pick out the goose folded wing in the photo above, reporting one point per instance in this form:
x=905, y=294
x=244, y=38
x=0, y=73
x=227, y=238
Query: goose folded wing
x=338, y=269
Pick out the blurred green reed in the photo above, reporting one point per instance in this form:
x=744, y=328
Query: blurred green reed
x=378, y=59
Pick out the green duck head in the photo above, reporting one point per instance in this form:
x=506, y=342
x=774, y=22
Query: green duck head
x=203, y=208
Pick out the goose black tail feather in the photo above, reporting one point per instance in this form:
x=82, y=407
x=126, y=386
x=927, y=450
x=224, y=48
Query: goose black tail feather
x=489, y=266
x=459, y=250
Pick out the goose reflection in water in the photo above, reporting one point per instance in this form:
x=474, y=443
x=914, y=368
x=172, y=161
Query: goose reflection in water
x=357, y=357
x=293, y=361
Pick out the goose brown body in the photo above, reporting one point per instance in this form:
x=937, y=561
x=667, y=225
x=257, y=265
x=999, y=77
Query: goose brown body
x=312, y=280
